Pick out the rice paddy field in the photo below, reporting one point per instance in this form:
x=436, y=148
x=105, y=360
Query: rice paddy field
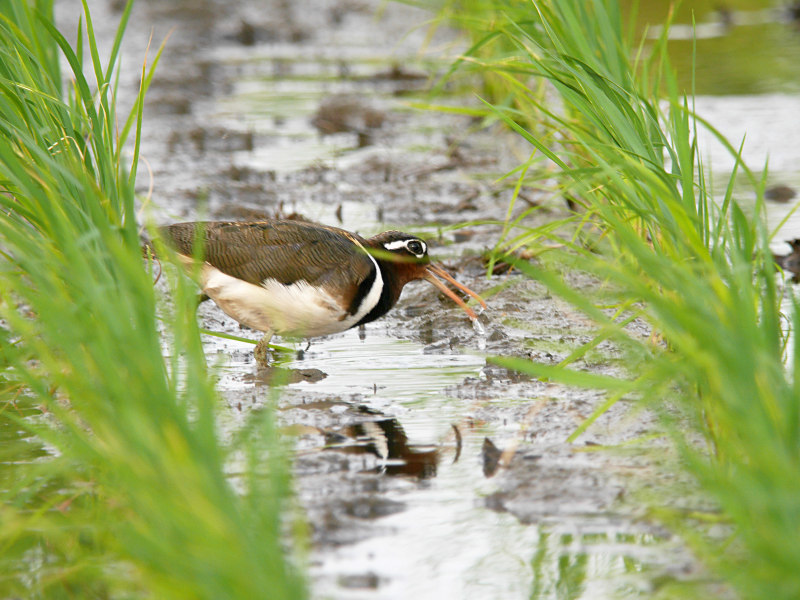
x=617, y=180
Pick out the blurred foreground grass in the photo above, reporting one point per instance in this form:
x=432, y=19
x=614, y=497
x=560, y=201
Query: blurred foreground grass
x=114, y=478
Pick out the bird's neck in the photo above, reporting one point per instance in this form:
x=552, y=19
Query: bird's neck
x=392, y=287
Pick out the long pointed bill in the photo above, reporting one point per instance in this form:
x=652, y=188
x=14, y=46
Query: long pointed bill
x=434, y=271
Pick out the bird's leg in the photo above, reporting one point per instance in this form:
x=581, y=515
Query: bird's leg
x=261, y=353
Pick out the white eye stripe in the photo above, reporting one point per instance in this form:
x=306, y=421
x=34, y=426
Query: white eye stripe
x=397, y=244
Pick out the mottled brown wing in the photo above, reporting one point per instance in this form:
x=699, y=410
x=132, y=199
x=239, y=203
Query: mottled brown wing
x=286, y=251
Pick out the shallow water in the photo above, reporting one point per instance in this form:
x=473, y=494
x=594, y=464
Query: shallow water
x=441, y=541
x=376, y=368
x=768, y=131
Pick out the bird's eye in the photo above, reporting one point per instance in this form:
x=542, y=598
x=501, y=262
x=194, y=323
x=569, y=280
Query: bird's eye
x=416, y=247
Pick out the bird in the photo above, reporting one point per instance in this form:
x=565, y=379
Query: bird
x=301, y=279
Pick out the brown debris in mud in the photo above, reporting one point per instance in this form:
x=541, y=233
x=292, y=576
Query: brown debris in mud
x=280, y=376
x=491, y=457
x=347, y=114
x=780, y=193
x=506, y=264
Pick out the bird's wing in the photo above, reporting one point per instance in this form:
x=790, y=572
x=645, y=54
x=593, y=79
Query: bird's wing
x=284, y=251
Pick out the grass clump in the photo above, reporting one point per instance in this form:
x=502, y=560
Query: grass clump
x=623, y=144
x=123, y=490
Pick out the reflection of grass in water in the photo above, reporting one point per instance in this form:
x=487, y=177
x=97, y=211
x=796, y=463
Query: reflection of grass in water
x=566, y=566
x=18, y=446
x=269, y=106
x=700, y=273
x=134, y=500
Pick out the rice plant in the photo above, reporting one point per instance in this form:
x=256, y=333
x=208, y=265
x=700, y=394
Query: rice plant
x=116, y=483
x=623, y=140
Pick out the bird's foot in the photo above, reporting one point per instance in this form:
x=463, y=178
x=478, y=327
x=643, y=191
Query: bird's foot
x=261, y=353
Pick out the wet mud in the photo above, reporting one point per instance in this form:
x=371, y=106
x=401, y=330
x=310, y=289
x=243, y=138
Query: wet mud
x=424, y=470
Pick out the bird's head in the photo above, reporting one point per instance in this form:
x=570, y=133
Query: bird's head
x=408, y=259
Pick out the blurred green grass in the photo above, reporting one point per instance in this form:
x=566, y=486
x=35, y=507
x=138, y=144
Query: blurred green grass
x=116, y=478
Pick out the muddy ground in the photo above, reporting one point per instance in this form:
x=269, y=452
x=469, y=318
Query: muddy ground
x=424, y=470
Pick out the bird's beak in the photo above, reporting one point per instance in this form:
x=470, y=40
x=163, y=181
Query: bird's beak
x=435, y=271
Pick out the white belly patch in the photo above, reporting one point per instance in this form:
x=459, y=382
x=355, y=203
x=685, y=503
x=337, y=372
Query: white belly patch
x=298, y=309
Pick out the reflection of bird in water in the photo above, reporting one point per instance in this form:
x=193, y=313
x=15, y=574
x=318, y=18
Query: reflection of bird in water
x=386, y=439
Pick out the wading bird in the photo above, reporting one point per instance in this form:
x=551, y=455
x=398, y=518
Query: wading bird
x=301, y=279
